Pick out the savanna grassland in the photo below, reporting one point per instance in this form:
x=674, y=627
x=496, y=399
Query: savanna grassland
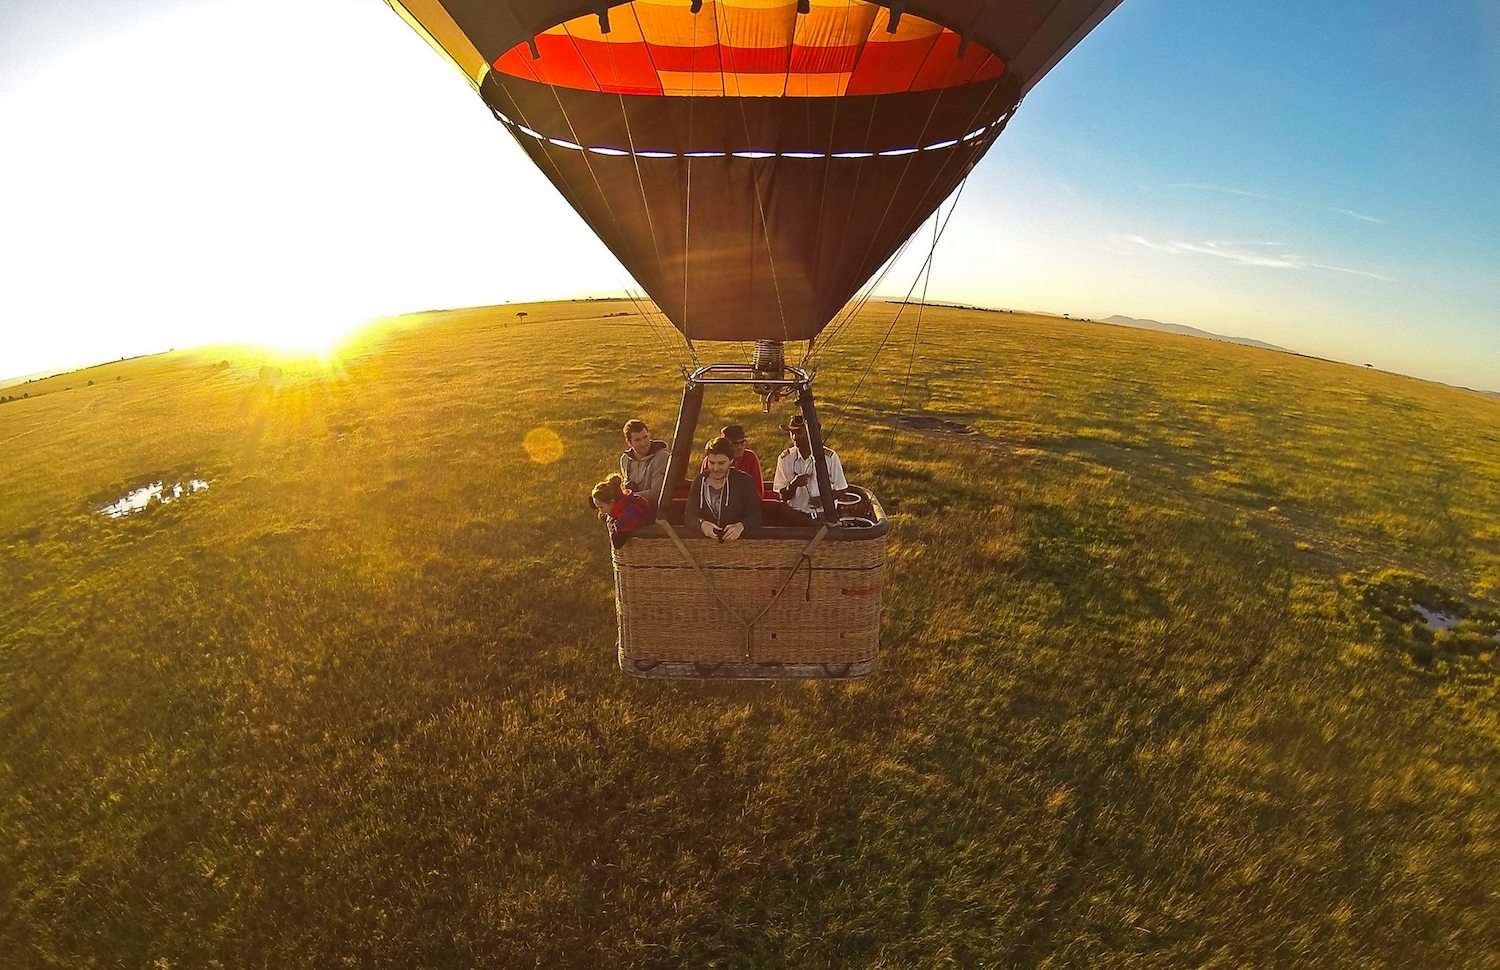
x=1153, y=691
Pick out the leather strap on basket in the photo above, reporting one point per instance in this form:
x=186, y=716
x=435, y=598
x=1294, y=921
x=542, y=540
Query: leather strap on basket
x=677, y=541
x=748, y=626
x=805, y=557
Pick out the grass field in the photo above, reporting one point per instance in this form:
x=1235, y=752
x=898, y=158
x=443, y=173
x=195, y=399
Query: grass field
x=1152, y=693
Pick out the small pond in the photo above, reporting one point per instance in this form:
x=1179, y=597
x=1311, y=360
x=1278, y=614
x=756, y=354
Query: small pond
x=923, y=423
x=1435, y=619
x=155, y=492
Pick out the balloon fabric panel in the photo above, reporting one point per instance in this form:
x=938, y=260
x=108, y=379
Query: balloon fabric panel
x=430, y=20
x=750, y=166
x=749, y=48
x=769, y=243
x=1029, y=35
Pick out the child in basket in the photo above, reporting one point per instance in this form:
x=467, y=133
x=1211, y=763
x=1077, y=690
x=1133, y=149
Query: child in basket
x=624, y=510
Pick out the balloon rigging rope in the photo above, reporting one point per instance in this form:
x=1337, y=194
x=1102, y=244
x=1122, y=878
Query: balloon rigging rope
x=905, y=170
x=640, y=307
x=839, y=326
x=663, y=335
x=687, y=209
x=833, y=127
x=916, y=332
x=664, y=332
x=635, y=159
x=646, y=308
x=979, y=112
x=659, y=320
x=643, y=310
x=859, y=172
x=765, y=230
x=926, y=267
x=856, y=306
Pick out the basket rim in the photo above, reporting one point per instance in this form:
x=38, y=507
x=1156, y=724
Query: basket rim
x=836, y=533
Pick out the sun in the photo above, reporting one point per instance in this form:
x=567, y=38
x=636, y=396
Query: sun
x=303, y=337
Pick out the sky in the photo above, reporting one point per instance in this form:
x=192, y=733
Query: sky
x=1325, y=177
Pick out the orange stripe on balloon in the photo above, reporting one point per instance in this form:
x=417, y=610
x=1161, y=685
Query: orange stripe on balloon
x=837, y=49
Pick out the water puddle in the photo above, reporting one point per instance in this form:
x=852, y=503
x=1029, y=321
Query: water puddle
x=1435, y=619
x=919, y=423
x=158, y=492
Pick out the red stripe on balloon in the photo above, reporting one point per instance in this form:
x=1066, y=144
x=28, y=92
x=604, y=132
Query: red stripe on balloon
x=755, y=60
x=687, y=60
x=622, y=68
x=824, y=60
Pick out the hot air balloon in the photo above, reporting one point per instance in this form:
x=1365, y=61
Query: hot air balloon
x=752, y=163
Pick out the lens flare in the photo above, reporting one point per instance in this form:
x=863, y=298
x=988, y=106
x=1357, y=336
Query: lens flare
x=543, y=445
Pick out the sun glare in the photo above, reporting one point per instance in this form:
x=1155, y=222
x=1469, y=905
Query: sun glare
x=306, y=339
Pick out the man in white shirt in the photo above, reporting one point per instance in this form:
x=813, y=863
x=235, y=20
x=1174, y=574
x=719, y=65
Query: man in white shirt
x=796, y=478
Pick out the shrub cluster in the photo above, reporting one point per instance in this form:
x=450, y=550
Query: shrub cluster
x=1395, y=599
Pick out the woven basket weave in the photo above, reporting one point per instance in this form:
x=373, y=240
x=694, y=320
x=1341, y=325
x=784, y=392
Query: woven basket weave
x=817, y=603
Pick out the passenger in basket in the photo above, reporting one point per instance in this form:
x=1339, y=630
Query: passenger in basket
x=723, y=501
x=797, y=476
x=643, y=465
x=745, y=460
x=624, y=510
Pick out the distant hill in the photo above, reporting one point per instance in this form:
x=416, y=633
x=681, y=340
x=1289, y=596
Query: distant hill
x=1123, y=321
x=27, y=378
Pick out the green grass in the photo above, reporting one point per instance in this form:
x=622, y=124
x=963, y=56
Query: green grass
x=1151, y=693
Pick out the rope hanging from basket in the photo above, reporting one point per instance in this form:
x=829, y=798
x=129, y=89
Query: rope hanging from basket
x=748, y=626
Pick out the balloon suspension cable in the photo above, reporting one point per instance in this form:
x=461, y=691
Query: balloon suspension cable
x=594, y=176
x=660, y=329
x=895, y=191
x=851, y=310
x=661, y=333
x=833, y=127
x=765, y=229
x=926, y=266
x=687, y=207
x=645, y=202
x=916, y=332
x=836, y=330
x=635, y=159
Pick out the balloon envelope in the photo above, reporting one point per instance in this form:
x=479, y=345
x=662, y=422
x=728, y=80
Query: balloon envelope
x=751, y=164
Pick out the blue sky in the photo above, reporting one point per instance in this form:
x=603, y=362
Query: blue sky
x=1320, y=176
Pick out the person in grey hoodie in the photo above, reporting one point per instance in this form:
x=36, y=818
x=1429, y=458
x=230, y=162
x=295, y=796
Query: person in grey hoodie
x=643, y=465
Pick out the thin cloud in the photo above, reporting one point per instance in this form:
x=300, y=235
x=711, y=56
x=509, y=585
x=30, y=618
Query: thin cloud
x=1282, y=200
x=1264, y=255
x=1351, y=271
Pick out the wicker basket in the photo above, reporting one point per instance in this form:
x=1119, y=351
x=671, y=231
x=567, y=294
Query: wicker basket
x=777, y=603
